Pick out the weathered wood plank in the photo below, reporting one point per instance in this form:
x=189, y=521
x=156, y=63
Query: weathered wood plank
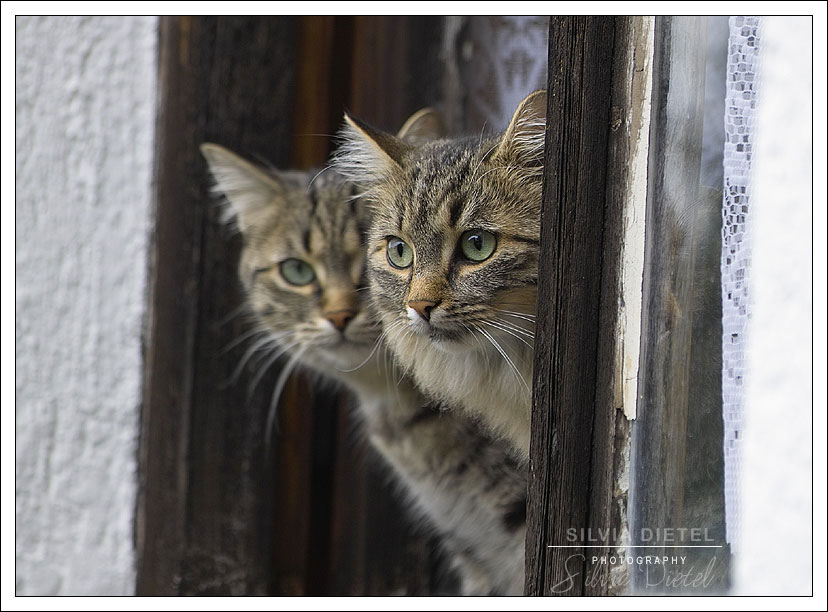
x=610, y=438
x=570, y=300
x=207, y=495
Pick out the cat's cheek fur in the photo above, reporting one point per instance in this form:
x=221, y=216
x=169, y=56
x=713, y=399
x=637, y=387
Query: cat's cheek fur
x=480, y=383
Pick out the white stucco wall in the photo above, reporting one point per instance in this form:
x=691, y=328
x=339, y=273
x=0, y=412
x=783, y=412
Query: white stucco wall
x=85, y=108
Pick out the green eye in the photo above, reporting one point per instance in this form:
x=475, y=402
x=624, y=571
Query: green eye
x=478, y=245
x=398, y=253
x=297, y=272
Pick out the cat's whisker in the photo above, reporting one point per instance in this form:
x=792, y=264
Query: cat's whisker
x=317, y=175
x=407, y=333
x=365, y=194
x=391, y=369
x=237, y=341
x=387, y=363
x=368, y=358
x=393, y=326
x=528, y=333
x=518, y=329
x=506, y=331
x=266, y=346
x=505, y=356
x=508, y=169
x=519, y=315
x=480, y=344
x=507, y=325
x=483, y=159
x=270, y=424
x=263, y=369
x=232, y=315
x=254, y=348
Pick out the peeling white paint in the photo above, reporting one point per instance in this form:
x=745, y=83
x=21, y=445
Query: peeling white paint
x=635, y=209
x=85, y=111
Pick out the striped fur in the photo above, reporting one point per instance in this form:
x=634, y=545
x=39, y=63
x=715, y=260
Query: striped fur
x=458, y=480
x=476, y=349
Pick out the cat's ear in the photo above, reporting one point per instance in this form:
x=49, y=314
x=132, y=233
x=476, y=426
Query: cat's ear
x=248, y=188
x=367, y=155
x=524, y=138
x=424, y=125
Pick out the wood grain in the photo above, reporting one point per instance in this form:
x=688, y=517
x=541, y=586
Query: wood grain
x=573, y=242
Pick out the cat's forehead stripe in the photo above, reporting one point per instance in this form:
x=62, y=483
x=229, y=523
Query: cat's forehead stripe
x=440, y=183
x=456, y=208
x=306, y=240
x=319, y=233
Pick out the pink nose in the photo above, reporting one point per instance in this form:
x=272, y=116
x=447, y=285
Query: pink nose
x=340, y=318
x=423, y=307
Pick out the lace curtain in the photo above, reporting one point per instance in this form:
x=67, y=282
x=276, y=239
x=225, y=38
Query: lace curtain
x=742, y=68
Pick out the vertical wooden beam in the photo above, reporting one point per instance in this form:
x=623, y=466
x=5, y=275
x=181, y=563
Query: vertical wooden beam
x=204, y=512
x=619, y=333
x=573, y=243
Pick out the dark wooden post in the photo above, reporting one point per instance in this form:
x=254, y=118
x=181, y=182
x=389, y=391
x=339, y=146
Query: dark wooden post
x=579, y=244
x=204, y=514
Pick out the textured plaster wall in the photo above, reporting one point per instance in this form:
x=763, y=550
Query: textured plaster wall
x=85, y=107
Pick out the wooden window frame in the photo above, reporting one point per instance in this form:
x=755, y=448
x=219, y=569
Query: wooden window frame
x=597, y=476
x=574, y=448
x=208, y=483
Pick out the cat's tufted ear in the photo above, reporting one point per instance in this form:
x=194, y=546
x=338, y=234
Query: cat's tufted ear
x=524, y=138
x=248, y=189
x=424, y=125
x=367, y=155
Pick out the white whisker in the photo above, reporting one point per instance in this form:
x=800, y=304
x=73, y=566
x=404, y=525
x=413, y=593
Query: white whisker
x=262, y=370
x=484, y=158
x=368, y=358
x=505, y=356
x=240, y=339
x=480, y=344
x=506, y=331
x=528, y=333
x=252, y=350
x=233, y=314
x=277, y=393
x=519, y=315
x=317, y=175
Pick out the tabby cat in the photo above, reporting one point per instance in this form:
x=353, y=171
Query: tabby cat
x=453, y=260
x=302, y=266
